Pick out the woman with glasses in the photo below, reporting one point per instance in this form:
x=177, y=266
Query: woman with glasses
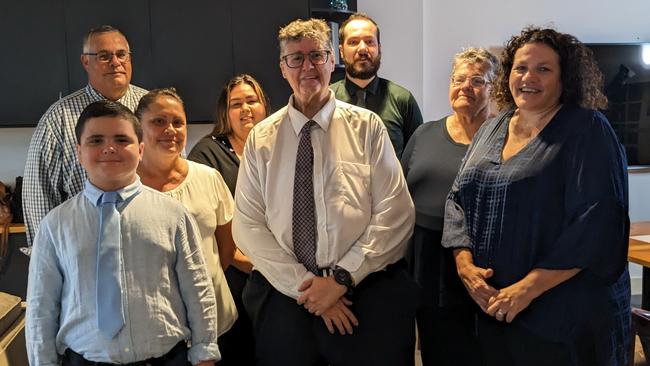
x=431, y=160
x=199, y=188
x=241, y=104
x=538, y=214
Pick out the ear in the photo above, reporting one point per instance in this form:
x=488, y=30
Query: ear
x=79, y=156
x=84, y=61
x=141, y=150
x=282, y=66
x=341, y=52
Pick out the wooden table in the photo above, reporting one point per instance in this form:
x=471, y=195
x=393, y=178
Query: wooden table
x=639, y=253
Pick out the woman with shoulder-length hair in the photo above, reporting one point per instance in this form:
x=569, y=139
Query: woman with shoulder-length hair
x=538, y=214
x=241, y=105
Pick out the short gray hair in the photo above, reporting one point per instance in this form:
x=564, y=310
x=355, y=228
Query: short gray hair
x=473, y=55
x=98, y=30
x=314, y=29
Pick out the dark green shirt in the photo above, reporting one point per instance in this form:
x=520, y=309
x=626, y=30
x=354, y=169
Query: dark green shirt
x=395, y=105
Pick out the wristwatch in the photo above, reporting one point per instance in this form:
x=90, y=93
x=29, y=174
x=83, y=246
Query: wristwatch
x=343, y=277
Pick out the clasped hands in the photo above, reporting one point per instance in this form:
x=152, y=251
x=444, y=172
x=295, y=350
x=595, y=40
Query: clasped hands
x=504, y=304
x=323, y=296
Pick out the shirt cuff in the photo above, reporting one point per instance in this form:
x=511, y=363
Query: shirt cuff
x=351, y=262
x=204, y=352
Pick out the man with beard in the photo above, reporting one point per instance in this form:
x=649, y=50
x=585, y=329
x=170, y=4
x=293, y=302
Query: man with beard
x=361, y=52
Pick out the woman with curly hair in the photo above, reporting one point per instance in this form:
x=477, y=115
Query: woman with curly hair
x=538, y=214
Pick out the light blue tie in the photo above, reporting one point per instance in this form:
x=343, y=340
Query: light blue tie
x=110, y=315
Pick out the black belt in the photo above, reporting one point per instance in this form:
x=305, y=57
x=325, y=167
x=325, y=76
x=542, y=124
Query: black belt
x=72, y=358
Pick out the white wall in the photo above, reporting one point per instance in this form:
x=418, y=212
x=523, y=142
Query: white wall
x=401, y=25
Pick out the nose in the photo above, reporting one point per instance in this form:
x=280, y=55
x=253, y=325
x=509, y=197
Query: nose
x=307, y=64
x=169, y=129
x=529, y=74
x=467, y=83
x=363, y=45
x=245, y=108
x=115, y=61
x=109, y=149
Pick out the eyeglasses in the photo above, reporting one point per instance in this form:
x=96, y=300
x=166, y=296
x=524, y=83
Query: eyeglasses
x=105, y=56
x=475, y=81
x=295, y=60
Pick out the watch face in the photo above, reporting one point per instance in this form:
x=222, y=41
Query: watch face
x=343, y=277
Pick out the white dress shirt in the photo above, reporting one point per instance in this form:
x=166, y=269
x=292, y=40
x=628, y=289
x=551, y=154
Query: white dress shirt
x=364, y=213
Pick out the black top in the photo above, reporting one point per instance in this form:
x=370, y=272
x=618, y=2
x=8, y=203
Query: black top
x=216, y=152
x=430, y=161
x=561, y=202
x=395, y=105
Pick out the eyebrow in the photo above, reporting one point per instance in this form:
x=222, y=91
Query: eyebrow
x=93, y=137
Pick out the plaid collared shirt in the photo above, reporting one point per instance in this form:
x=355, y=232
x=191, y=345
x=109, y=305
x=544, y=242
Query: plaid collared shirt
x=52, y=172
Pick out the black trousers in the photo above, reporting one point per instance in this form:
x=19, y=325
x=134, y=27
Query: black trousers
x=505, y=344
x=287, y=334
x=237, y=345
x=177, y=356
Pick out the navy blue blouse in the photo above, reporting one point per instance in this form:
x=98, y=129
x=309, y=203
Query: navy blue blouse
x=561, y=202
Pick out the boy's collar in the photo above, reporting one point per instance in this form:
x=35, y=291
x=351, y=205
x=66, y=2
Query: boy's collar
x=94, y=194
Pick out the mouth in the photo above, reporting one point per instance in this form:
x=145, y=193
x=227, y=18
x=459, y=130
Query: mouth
x=527, y=90
x=309, y=77
x=169, y=141
x=466, y=96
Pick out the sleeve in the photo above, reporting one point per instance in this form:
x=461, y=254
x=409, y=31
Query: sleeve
x=197, y=292
x=384, y=240
x=226, y=205
x=253, y=236
x=455, y=234
x=200, y=153
x=43, y=182
x=407, y=154
x=44, y=288
x=412, y=118
x=596, y=224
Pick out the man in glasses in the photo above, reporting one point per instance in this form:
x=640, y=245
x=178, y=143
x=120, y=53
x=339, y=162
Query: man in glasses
x=361, y=53
x=323, y=212
x=52, y=172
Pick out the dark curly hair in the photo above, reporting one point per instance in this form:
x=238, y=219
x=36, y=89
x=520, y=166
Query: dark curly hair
x=582, y=81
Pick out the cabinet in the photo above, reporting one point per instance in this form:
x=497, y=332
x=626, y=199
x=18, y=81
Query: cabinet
x=335, y=17
x=195, y=46
x=33, y=67
x=255, y=43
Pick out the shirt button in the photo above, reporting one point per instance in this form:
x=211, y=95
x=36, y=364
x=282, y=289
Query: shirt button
x=126, y=349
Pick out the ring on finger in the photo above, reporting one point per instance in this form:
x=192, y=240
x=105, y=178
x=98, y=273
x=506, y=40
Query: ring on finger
x=500, y=313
